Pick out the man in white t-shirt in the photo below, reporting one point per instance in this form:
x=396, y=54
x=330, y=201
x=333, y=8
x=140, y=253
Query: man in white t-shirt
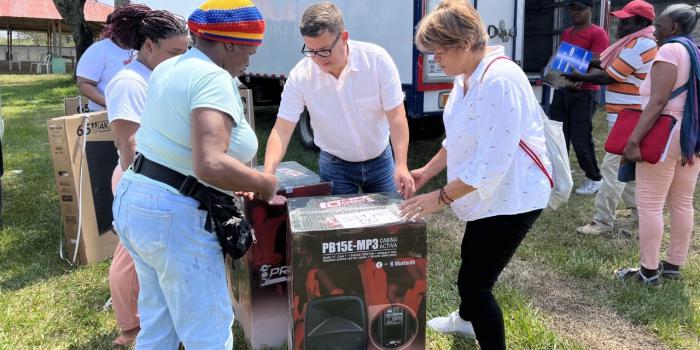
x=353, y=93
x=98, y=64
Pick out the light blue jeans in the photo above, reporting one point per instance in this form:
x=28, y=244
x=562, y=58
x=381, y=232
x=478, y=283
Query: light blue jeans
x=180, y=267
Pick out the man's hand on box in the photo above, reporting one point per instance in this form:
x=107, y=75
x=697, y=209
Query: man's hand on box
x=404, y=182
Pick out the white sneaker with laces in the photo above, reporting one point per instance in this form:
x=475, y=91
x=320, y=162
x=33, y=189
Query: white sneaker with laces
x=589, y=187
x=452, y=324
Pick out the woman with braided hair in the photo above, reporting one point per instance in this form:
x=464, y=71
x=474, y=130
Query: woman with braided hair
x=103, y=59
x=158, y=36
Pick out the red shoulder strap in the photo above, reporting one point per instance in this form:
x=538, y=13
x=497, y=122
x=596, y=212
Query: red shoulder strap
x=523, y=145
x=489, y=65
x=537, y=161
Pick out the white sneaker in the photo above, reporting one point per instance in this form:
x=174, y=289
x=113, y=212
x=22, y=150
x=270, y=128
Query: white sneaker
x=452, y=324
x=589, y=187
x=593, y=229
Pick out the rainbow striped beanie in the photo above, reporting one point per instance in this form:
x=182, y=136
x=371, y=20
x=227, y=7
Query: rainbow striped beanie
x=234, y=21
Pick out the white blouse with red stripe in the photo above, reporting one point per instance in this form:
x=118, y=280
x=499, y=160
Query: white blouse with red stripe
x=483, y=130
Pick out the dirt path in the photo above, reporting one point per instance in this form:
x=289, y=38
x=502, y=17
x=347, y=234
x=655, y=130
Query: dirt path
x=576, y=315
x=567, y=310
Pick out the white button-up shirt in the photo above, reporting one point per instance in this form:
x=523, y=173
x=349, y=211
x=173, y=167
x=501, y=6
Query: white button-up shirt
x=348, y=113
x=483, y=129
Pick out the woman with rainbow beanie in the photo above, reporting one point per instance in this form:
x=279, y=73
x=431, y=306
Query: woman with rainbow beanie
x=192, y=128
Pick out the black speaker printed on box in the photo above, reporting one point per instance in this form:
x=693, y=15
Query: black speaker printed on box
x=358, y=274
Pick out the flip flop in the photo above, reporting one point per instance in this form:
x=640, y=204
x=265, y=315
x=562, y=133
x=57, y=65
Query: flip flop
x=122, y=340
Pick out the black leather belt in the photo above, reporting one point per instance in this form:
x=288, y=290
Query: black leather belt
x=187, y=185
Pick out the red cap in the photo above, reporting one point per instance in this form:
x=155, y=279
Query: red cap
x=636, y=8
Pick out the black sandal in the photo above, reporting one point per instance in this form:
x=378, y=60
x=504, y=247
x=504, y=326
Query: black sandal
x=636, y=274
x=667, y=272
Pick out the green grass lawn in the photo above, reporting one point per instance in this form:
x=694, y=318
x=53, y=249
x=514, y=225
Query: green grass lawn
x=558, y=294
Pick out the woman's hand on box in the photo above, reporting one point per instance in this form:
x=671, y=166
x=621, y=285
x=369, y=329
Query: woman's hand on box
x=421, y=206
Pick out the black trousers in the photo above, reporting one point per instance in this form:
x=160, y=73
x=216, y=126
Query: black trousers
x=575, y=108
x=487, y=248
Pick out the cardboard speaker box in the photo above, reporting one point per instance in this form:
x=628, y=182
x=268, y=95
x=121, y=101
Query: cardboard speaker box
x=259, y=280
x=358, y=274
x=82, y=148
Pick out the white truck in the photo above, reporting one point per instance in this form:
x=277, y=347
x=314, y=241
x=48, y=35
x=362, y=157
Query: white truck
x=529, y=30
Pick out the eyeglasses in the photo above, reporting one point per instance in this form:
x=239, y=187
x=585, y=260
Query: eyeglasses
x=320, y=53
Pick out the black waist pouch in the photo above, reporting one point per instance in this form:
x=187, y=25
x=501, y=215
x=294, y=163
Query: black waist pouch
x=226, y=220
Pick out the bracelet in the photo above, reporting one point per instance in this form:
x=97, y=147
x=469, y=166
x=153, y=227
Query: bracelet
x=444, y=200
x=449, y=200
x=440, y=199
x=444, y=197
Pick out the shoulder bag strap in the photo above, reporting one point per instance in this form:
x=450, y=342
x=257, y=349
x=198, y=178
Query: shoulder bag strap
x=537, y=161
x=489, y=66
x=679, y=91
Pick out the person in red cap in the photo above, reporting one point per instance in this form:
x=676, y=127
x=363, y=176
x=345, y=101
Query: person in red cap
x=574, y=107
x=624, y=65
x=634, y=8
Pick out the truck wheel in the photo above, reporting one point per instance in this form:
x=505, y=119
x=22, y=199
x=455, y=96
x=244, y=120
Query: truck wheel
x=306, y=133
x=425, y=127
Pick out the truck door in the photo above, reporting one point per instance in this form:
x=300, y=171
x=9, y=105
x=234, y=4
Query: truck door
x=429, y=95
x=501, y=21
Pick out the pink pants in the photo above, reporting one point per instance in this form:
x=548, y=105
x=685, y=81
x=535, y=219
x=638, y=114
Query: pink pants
x=666, y=182
x=124, y=286
x=123, y=283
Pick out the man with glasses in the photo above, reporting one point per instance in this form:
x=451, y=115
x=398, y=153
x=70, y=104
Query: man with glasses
x=352, y=91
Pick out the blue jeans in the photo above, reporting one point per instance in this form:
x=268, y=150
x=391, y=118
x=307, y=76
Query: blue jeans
x=180, y=266
x=371, y=176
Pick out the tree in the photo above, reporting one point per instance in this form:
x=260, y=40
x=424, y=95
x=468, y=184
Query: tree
x=72, y=13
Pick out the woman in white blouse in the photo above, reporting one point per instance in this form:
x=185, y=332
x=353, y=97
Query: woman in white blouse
x=493, y=184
